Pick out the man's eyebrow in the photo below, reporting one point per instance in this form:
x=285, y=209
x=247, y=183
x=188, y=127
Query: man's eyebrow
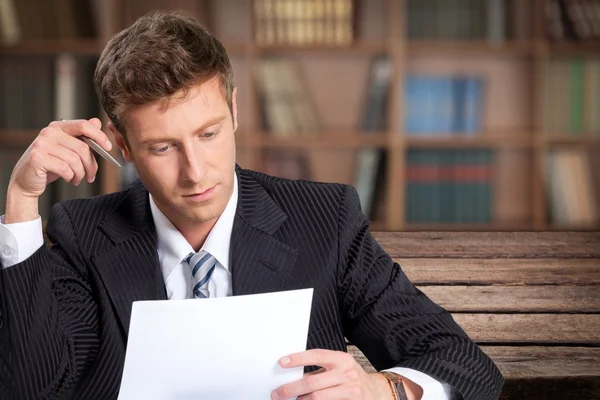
x=210, y=122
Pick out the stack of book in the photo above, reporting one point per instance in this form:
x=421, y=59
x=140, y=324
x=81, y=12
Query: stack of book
x=462, y=19
x=449, y=186
x=35, y=90
x=287, y=112
x=441, y=105
x=370, y=162
x=304, y=22
x=573, y=200
x=48, y=19
x=571, y=99
x=573, y=19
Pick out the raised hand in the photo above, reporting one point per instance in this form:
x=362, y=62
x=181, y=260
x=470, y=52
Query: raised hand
x=55, y=153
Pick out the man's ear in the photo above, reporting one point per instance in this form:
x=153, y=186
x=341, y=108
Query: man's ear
x=121, y=142
x=234, y=108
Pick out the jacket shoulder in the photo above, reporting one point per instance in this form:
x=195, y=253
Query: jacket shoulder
x=90, y=206
x=279, y=187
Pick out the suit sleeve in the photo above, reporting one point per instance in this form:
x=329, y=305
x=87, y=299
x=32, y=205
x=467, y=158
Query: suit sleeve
x=49, y=320
x=394, y=324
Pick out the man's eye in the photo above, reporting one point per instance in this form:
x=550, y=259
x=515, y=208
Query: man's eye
x=161, y=149
x=210, y=134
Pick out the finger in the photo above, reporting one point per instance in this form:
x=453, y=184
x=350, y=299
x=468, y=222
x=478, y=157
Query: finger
x=317, y=371
x=79, y=127
x=71, y=158
x=309, y=384
x=92, y=178
x=85, y=154
x=320, y=357
x=59, y=167
x=337, y=392
x=92, y=170
x=96, y=122
x=54, y=135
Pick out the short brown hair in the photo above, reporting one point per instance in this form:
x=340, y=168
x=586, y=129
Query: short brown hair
x=159, y=55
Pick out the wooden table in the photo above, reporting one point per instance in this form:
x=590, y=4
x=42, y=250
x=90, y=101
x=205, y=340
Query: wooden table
x=531, y=300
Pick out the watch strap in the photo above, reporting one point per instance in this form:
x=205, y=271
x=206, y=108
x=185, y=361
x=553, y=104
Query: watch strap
x=396, y=385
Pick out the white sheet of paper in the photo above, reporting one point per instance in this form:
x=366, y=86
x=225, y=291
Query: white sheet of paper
x=216, y=348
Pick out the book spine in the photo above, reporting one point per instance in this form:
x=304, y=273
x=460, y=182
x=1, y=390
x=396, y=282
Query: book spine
x=496, y=17
x=576, y=97
x=473, y=105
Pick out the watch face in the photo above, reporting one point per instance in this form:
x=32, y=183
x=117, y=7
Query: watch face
x=396, y=382
x=400, y=392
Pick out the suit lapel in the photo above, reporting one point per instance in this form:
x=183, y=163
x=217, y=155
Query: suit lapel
x=260, y=262
x=130, y=269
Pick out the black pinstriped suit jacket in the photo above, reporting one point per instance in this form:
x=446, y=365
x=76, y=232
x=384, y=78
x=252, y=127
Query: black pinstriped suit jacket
x=65, y=311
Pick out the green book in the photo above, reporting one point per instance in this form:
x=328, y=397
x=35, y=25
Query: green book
x=447, y=185
x=410, y=195
x=485, y=186
x=435, y=188
x=458, y=189
x=469, y=185
x=424, y=199
x=576, y=97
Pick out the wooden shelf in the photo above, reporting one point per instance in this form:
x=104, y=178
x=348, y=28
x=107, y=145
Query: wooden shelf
x=53, y=46
x=469, y=226
x=366, y=48
x=17, y=138
x=358, y=48
x=470, y=47
x=584, y=140
x=348, y=140
x=570, y=48
x=518, y=140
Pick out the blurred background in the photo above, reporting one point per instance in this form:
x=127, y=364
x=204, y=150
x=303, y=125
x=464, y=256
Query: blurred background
x=444, y=114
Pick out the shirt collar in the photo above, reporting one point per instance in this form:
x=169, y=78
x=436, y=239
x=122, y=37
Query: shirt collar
x=172, y=245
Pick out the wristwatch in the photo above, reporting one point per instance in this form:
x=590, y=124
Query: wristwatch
x=395, y=384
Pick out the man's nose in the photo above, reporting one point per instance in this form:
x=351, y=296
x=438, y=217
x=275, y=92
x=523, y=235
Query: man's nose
x=193, y=166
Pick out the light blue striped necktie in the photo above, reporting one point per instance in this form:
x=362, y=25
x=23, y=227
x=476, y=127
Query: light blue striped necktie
x=202, y=265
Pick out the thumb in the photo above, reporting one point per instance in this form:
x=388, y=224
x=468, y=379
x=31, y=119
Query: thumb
x=96, y=122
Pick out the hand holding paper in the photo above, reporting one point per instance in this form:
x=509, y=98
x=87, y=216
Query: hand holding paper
x=340, y=378
x=217, y=348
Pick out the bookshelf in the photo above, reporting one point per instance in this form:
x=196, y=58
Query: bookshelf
x=336, y=79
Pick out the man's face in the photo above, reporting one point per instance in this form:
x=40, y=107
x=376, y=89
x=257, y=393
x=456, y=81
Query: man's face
x=185, y=154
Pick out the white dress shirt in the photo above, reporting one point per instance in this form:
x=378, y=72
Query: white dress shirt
x=19, y=241
x=173, y=249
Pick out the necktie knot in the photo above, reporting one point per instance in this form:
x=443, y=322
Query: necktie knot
x=202, y=265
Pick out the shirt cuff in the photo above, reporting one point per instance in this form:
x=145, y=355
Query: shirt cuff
x=19, y=241
x=432, y=389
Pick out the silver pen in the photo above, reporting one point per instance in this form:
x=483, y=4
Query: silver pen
x=95, y=146
x=103, y=153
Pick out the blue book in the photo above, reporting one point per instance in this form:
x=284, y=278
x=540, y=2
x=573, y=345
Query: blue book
x=434, y=105
x=473, y=105
x=445, y=98
x=458, y=95
x=429, y=115
x=411, y=116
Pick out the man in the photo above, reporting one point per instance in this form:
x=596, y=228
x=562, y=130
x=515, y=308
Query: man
x=194, y=226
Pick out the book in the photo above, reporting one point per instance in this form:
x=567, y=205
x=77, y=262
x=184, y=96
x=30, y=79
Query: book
x=374, y=119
